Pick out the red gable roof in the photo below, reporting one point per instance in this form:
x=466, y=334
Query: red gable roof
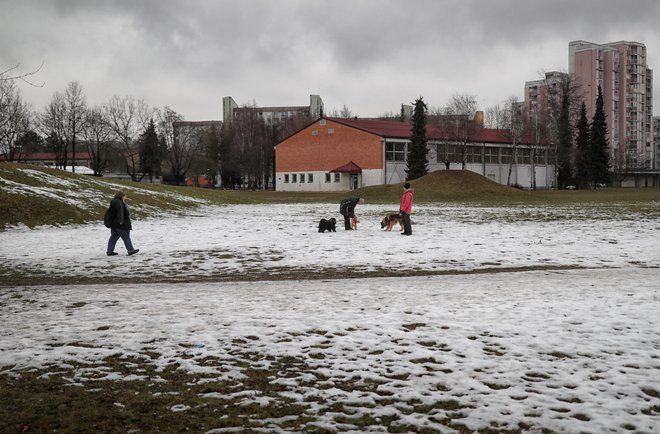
x=380, y=128
x=349, y=167
x=402, y=130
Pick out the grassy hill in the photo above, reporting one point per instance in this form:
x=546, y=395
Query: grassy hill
x=34, y=196
x=448, y=186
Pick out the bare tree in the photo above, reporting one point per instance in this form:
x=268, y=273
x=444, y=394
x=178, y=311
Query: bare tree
x=52, y=124
x=517, y=125
x=15, y=120
x=98, y=136
x=497, y=117
x=460, y=113
x=249, y=132
x=345, y=112
x=211, y=152
x=181, y=144
x=558, y=122
x=76, y=106
x=127, y=119
x=11, y=74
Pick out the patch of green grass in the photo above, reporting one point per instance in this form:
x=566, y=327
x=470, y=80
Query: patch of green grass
x=171, y=401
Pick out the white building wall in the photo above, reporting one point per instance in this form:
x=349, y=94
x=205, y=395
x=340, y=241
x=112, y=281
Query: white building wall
x=521, y=174
x=371, y=177
x=319, y=181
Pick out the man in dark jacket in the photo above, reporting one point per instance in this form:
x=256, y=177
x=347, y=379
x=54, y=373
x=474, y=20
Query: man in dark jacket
x=120, y=226
x=347, y=209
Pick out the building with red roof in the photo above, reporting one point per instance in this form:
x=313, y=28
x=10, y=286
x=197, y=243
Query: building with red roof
x=337, y=154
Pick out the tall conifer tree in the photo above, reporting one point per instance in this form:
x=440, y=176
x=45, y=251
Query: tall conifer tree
x=417, y=163
x=582, y=163
x=599, y=146
x=151, y=153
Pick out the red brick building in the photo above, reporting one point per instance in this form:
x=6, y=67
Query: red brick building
x=336, y=154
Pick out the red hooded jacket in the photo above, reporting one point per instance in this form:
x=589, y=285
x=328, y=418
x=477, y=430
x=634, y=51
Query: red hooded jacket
x=406, y=201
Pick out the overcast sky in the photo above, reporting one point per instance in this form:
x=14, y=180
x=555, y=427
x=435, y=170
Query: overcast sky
x=370, y=55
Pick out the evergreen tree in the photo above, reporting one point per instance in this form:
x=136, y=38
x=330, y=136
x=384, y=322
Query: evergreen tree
x=582, y=157
x=417, y=164
x=211, y=149
x=564, y=145
x=150, y=152
x=599, y=146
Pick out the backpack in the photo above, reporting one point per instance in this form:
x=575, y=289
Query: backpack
x=107, y=218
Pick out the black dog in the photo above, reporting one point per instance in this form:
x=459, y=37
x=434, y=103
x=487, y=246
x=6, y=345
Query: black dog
x=327, y=225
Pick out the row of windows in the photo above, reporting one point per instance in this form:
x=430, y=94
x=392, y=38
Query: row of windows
x=489, y=155
x=473, y=154
x=309, y=177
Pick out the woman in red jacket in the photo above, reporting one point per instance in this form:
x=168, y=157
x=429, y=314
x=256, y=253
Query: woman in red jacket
x=405, y=208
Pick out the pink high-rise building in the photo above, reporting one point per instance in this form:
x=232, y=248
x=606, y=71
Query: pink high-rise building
x=627, y=84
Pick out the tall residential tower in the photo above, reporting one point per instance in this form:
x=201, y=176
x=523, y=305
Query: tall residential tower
x=627, y=84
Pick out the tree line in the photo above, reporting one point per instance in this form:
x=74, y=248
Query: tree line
x=240, y=153
x=144, y=141
x=578, y=147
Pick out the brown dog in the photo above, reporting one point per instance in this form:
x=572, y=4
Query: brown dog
x=391, y=220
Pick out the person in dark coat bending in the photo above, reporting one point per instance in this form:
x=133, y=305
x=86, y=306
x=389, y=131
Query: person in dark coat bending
x=121, y=225
x=347, y=209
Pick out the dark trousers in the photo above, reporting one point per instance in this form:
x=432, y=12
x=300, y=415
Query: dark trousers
x=115, y=235
x=347, y=223
x=407, y=227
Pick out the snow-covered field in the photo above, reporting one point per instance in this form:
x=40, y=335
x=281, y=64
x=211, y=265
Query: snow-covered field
x=565, y=350
x=272, y=239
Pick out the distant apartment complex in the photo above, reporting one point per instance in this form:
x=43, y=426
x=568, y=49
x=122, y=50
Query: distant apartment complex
x=626, y=81
x=656, y=140
x=270, y=115
x=194, y=127
x=539, y=94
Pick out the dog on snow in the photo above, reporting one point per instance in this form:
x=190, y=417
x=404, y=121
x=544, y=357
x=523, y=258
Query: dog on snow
x=327, y=225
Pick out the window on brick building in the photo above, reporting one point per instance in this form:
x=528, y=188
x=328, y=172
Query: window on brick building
x=286, y=178
x=294, y=178
x=302, y=177
x=328, y=178
x=337, y=177
x=310, y=177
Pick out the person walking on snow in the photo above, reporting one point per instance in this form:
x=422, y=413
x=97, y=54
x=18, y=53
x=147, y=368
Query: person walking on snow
x=120, y=226
x=406, y=207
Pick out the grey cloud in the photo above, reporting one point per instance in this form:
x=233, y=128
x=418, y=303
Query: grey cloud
x=363, y=52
